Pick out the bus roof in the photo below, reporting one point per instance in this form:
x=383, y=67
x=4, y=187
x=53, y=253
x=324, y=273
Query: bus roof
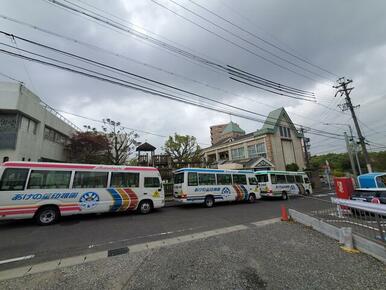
x=368, y=180
x=71, y=166
x=212, y=170
x=279, y=171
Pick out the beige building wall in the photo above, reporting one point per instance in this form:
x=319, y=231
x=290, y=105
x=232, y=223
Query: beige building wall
x=16, y=99
x=215, y=133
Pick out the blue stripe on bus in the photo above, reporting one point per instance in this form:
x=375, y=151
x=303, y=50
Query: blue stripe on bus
x=117, y=199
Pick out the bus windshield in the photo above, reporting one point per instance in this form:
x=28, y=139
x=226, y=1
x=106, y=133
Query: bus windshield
x=179, y=178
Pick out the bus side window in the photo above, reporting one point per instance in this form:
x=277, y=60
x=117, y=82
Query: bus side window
x=206, y=179
x=298, y=179
x=262, y=177
x=13, y=179
x=49, y=179
x=273, y=178
x=224, y=179
x=192, y=179
x=90, y=179
x=280, y=179
x=151, y=182
x=239, y=179
x=124, y=179
x=252, y=181
x=290, y=179
x=306, y=180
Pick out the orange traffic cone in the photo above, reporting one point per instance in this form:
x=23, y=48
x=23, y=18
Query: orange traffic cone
x=284, y=215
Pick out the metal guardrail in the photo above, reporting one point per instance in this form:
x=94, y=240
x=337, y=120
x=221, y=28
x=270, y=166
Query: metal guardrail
x=366, y=219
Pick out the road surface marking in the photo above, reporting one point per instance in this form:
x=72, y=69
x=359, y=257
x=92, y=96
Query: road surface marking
x=76, y=260
x=16, y=259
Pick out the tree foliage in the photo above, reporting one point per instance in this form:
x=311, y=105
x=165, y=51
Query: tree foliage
x=111, y=146
x=183, y=148
x=340, y=162
x=122, y=143
x=88, y=147
x=292, y=167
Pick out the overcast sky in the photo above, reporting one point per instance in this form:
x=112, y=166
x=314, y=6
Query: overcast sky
x=345, y=37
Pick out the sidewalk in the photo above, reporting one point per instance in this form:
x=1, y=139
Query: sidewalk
x=275, y=256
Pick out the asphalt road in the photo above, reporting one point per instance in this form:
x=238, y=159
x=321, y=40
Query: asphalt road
x=85, y=234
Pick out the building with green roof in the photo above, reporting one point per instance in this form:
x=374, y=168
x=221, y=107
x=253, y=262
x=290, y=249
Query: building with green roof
x=276, y=144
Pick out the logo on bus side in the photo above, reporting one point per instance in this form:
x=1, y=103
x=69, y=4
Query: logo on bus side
x=89, y=200
x=226, y=191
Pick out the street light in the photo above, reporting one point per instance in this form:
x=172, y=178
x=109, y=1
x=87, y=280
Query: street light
x=348, y=149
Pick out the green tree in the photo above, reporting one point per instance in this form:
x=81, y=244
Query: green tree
x=292, y=167
x=183, y=148
x=87, y=147
x=122, y=143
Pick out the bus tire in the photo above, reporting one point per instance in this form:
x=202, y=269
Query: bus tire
x=47, y=215
x=307, y=192
x=145, y=206
x=209, y=201
x=284, y=195
x=251, y=198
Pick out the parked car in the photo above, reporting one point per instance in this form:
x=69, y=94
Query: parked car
x=368, y=194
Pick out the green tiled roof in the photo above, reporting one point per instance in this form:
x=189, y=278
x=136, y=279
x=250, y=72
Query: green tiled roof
x=271, y=123
x=233, y=127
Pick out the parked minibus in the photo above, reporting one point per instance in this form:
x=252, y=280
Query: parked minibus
x=209, y=186
x=46, y=191
x=283, y=183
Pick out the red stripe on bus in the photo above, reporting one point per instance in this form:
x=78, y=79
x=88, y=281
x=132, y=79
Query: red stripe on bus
x=17, y=212
x=19, y=207
x=77, y=208
x=71, y=166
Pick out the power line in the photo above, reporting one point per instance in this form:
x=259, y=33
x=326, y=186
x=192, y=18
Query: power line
x=262, y=39
x=120, y=82
x=119, y=26
x=242, y=38
x=230, y=41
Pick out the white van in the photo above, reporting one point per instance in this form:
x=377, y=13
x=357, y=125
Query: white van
x=46, y=191
x=208, y=186
x=283, y=183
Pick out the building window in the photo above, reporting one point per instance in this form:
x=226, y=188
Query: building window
x=28, y=125
x=285, y=132
x=54, y=136
x=257, y=150
x=238, y=153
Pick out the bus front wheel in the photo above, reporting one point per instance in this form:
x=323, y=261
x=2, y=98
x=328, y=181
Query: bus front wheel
x=209, y=201
x=145, y=207
x=47, y=215
x=284, y=195
x=251, y=198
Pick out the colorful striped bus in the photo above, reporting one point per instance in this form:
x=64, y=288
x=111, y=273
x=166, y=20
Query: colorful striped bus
x=47, y=191
x=209, y=186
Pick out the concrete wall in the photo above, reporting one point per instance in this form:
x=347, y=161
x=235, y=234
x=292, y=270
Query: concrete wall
x=16, y=98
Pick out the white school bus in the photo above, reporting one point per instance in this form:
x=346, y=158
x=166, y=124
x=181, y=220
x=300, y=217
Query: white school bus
x=208, y=186
x=283, y=183
x=46, y=191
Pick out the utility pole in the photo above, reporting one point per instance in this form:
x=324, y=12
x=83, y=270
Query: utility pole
x=306, y=145
x=350, y=155
x=343, y=89
x=354, y=148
